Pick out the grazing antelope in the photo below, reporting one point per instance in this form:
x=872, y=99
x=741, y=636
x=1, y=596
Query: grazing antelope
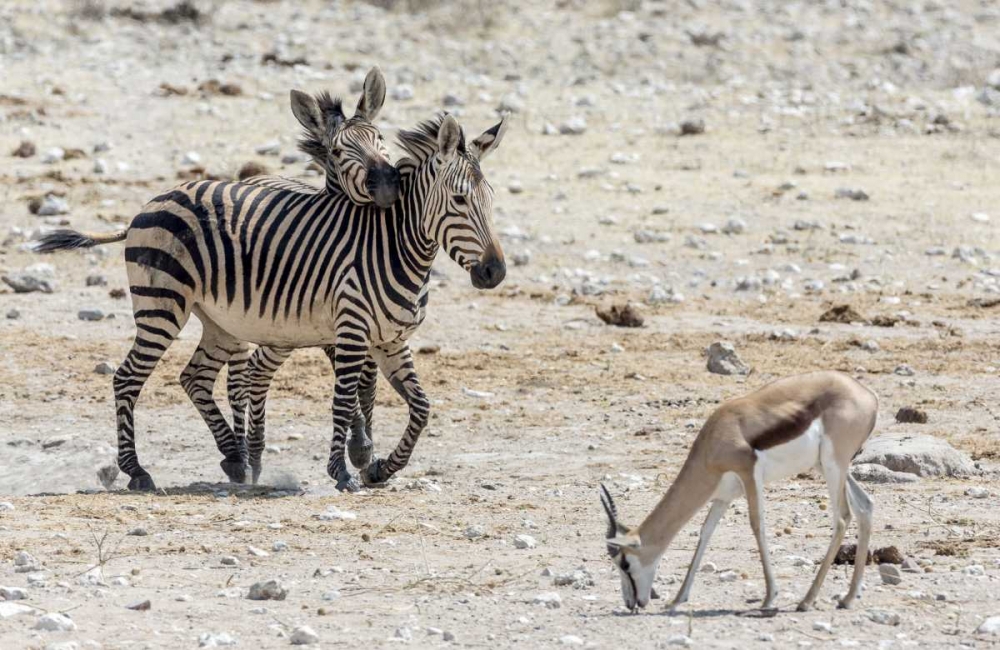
x=820, y=419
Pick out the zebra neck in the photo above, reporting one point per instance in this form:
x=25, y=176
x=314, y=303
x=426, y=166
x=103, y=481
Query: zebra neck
x=415, y=186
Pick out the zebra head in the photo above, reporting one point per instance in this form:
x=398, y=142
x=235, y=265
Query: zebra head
x=350, y=150
x=460, y=207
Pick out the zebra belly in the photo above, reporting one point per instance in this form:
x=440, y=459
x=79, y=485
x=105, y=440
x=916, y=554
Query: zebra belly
x=280, y=332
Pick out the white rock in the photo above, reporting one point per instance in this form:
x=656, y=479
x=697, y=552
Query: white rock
x=333, y=594
x=257, y=552
x=104, y=368
x=922, y=455
x=975, y=492
x=974, y=570
x=215, y=640
x=550, y=599
x=474, y=531
x=709, y=567
x=6, y=506
x=680, y=639
x=191, y=158
x=570, y=639
x=13, y=593
x=822, y=626
x=890, y=573
x=729, y=576
x=524, y=541
x=229, y=560
x=100, y=166
x=723, y=360
x=871, y=473
x=990, y=626
x=883, y=617
x=55, y=622
x=279, y=546
x=53, y=155
x=9, y=610
x=402, y=93
x=270, y=148
x=404, y=633
x=573, y=126
x=53, y=205
x=333, y=514
x=267, y=590
x=304, y=635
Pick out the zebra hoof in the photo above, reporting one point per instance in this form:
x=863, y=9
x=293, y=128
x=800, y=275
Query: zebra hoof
x=348, y=483
x=236, y=470
x=360, y=452
x=255, y=471
x=143, y=483
x=372, y=475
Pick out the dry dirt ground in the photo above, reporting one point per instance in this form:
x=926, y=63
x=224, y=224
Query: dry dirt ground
x=799, y=101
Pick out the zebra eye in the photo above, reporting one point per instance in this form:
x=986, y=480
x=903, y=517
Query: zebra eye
x=337, y=152
x=459, y=199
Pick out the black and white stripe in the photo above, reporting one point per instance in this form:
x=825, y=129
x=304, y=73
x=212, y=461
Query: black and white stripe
x=287, y=270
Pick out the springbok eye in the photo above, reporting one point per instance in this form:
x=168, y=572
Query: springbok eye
x=459, y=199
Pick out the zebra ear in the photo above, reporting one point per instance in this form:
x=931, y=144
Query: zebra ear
x=489, y=140
x=373, y=95
x=449, y=138
x=306, y=111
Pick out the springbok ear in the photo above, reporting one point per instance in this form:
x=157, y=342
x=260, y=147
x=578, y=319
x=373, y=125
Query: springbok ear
x=307, y=112
x=489, y=140
x=373, y=95
x=449, y=138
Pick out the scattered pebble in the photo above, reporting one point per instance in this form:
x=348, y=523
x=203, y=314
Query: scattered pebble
x=90, y=314
x=723, y=360
x=890, y=573
x=267, y=590
x=573, y=126
x=524, y=542
x=104, y=368
x=54, y=622
x=304, y=635
x=213, y=640
x=551, y=600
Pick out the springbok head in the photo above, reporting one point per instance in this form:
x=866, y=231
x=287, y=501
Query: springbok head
x=636, y=567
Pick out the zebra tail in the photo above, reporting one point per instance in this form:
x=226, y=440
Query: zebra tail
x=66, y=239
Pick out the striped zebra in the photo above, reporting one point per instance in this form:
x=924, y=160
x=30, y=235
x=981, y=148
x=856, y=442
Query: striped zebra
x=289, y=270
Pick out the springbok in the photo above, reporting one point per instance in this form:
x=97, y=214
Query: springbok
x=818, y=419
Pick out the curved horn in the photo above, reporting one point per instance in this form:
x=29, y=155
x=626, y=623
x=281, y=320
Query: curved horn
x=610, y=510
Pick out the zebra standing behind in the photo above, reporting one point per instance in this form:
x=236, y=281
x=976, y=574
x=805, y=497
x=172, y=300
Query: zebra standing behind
x=289, y=270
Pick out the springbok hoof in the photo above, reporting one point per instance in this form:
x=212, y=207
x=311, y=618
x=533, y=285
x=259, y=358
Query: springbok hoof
x=142, y=483
x=803, y=607
x=236, y=470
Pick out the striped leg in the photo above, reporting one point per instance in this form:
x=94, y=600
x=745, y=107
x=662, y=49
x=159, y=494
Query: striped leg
x=348, y=360
x=236, y=389
x=264, y=362
x=156, y=329
x=198, y=380
x=396, y=362
x=359, y=448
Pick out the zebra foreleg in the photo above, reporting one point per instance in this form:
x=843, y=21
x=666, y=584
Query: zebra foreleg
x=198, y=380
x=397, y=364
x=264, y=362
x=348, y=361
x=360, y=446
x=236, y=389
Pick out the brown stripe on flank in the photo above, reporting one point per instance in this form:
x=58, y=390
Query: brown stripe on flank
x=787, y=428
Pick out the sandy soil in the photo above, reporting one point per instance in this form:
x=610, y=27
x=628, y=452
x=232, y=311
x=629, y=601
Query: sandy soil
x=798, y=102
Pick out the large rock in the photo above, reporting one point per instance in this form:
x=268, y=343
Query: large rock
x=871, y=473
x=723, y=360
x=916, y=454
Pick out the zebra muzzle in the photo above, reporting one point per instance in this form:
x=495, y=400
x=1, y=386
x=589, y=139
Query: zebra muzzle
x=488, y=273
x=383, y=185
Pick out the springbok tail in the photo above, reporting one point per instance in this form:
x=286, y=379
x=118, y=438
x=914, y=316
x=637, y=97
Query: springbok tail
x=66, y=239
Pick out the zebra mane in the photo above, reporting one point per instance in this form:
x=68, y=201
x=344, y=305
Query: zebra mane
x=332, y=110
x=421, y=142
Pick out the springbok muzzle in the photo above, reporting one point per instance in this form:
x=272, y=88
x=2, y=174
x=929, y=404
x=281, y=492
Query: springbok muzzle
x=383, y=184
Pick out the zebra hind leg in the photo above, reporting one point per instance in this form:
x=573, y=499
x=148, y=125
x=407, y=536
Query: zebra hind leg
x=198, y=380
x=156, y=329
x=236, y=389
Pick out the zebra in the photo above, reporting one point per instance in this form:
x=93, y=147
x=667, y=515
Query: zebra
x=287, y=270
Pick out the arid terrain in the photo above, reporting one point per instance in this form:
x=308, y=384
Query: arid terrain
x=735, y=169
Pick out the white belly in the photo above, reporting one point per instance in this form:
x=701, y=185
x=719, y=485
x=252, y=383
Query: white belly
x=793, y=457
